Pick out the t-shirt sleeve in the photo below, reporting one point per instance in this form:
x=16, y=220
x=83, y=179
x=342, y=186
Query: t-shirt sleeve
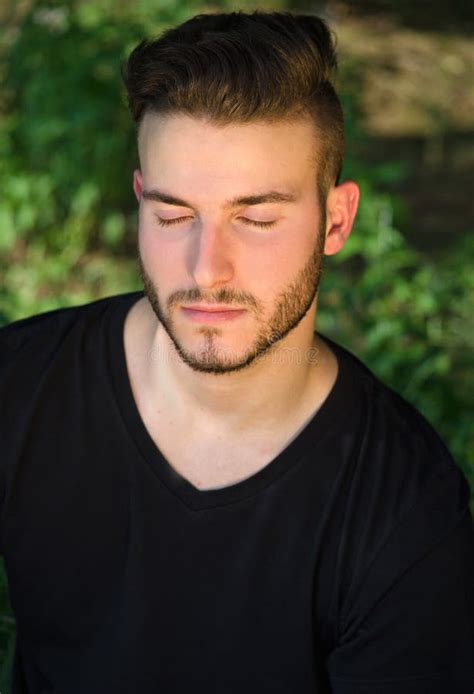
x=408, y=626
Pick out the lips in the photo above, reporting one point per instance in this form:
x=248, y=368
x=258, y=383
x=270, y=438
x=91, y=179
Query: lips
x=211, y=309
x=214, y=314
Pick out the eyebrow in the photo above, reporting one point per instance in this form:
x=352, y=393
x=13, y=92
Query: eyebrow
x=271, y=196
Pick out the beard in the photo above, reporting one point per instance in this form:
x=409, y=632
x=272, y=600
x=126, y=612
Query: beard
x=292, y=304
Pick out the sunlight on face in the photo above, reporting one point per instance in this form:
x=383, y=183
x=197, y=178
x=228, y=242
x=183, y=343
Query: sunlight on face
x=228, y=218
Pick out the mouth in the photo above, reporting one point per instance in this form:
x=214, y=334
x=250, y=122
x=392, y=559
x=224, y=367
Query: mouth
x=211, y=314
x=211, y=309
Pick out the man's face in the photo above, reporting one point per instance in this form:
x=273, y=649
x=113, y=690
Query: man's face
x=216, y=255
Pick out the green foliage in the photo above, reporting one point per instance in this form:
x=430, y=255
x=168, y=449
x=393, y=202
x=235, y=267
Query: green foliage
x=66, y=206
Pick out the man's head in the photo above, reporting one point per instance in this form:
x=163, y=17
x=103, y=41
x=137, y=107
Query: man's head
x=229, y=108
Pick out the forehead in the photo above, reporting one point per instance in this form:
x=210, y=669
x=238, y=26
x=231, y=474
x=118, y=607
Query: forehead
x=187, y=148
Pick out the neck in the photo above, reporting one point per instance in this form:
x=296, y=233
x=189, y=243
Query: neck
x=298, y=367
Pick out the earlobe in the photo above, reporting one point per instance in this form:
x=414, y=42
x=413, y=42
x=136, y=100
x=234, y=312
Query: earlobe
x=341, y=208
x=137, y=184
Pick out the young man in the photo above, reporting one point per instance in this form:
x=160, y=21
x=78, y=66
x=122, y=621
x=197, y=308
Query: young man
x=200, y=492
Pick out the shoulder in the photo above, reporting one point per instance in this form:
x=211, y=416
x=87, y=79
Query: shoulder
x=403, y=496
x=404, y=491
x=390, y=427
x=16, y=335
x=30, y=345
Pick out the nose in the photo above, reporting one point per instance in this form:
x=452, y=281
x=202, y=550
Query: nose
x=210, y=258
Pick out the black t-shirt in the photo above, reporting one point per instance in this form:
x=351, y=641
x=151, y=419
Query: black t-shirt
x=345, y=565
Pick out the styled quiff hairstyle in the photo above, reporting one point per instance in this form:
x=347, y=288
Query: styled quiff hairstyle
x=239, y=67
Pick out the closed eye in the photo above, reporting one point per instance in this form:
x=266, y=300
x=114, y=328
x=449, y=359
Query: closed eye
x=170, y=222
x=178, y=220
x=257, y=223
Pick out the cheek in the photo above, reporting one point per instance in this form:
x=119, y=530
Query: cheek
x=274, y=269
x=160, y=256
x=162, y=270
x=147, y=246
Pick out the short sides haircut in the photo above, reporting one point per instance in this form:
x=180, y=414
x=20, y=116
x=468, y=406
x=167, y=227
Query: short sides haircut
x=237, y=68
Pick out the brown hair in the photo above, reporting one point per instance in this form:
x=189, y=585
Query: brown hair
x=240, y=67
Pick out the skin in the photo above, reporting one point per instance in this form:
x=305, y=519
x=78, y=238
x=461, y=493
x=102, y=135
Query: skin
x=241, y=379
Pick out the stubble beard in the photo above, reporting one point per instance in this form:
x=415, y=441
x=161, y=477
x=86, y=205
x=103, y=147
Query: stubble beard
x=292, y=305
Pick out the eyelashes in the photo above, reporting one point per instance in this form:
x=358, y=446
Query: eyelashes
x=178, y=220
x=169, y=222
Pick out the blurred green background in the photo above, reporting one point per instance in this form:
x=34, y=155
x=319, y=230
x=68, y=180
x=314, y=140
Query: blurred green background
x=400, y=295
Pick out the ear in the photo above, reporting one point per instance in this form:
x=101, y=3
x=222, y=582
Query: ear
x=137, y=184
x=341, y=208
